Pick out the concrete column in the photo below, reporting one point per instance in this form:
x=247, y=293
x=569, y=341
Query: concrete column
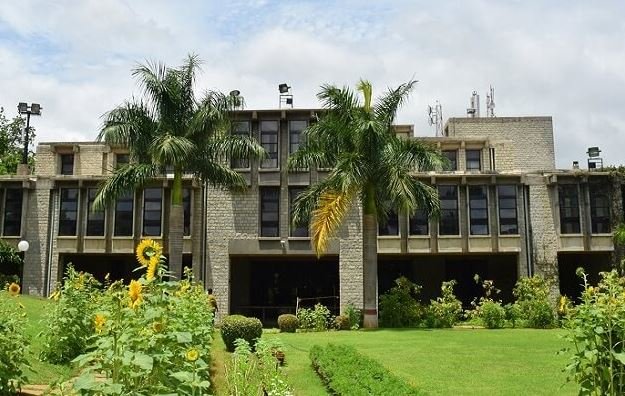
x=351, y=261
x=36, y=233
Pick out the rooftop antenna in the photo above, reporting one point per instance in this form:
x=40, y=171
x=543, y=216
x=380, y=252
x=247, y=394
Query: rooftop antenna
x=435, y=117
x=490, y=102
x=474, y=110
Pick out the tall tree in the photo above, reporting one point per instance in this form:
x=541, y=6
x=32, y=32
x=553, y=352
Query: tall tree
x=168, y=128
x=12, y=143
x=369, y=165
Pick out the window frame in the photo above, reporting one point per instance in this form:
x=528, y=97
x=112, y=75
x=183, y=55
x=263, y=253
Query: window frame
x=184, y=213
x=76, y=211
x=144, y=210
x=131, y=198
x=263, y=162
x=594, y=192
x=457, y=210
x=300, y=135
x=90, y=212
x=384, y=227
x=467, y=160
x=577, y=208
x=454, y=163
x=261, y=212
x=501, y=197
x=20, y=219
x=471, y=209
x=62, y=163
x=293, y=229
x=235, y=132
x=426, y=224
x=119, y=164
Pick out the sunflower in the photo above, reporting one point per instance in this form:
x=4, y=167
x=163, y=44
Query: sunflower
x=192, y=355
x=14, y=289
x=99, y=322
x=157, y=326
x=55, y=296
x=146, y=250
x=152, y=266
x=134, y=292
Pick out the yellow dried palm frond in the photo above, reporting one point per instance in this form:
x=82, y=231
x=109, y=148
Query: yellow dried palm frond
x=327, y=217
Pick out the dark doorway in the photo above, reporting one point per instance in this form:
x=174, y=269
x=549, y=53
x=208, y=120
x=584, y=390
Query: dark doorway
x=268, y=287
x=593, y=263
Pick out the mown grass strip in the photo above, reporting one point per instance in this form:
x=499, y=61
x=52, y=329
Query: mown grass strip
x=347, y=372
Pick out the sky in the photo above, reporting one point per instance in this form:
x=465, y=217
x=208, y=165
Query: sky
x=564, y=59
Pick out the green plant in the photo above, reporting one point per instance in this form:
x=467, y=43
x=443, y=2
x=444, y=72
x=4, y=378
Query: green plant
x=347, y=372
x=341, y=322
x=288, y=323
x=256, y=374
x=149, y=337
x=513, y=313
x=234, y=327
x=532, y=300
x=354, y=315
x=13, y=344
x=314, y=319
x=486, y=309
x=445, y=310
x=399, y=307
x=10, y=263
x=597, y=332
x=69, y=324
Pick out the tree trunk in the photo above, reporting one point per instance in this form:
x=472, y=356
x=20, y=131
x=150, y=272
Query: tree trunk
x=370, y=269
x=176, y=224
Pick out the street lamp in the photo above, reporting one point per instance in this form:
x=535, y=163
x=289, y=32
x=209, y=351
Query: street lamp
x=23, y=246
x=34, y=109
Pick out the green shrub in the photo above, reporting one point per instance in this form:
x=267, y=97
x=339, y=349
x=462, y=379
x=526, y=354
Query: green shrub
x=234, y=327
x=69, y=324
x=317, y=318
x=445, y=310
x=532, y=296
x=13, y=344
x=399, y=307
x=597, y=332
x=513, y=313
x=493, y=315
x=288, y=323
x=346, y=372
x=354, y=315
x=10, y=264
x=341, y=322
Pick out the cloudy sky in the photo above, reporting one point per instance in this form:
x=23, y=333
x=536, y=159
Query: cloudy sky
x=560, y=58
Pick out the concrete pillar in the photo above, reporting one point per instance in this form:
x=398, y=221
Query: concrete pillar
x=36, y=233
x=351, y=261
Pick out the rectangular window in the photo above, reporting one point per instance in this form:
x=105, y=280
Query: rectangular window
x=508, y=223
x=67, y=164
x=569, y=209
x=121, y=160
x=269, y=211
x=418, y=224
x=452, y=157
x=68, y=215
x=12, y=212
x=474, y=159
x=448, y=222
x=599, y=209
x=152, y=211
x=478, y=210
x=241, y=129
x=391, y=227
x=296, y=230
x=95, y=218
x=186, y=206
x=124, y=214
x=296, y=136
x=269, y=141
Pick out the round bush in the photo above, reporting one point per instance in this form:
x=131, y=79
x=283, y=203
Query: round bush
x=288, y=323
x=238, y=326
x=493, y=315
x=341, y=322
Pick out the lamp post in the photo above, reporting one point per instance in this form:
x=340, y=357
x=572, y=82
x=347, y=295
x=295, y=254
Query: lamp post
x=34, y=109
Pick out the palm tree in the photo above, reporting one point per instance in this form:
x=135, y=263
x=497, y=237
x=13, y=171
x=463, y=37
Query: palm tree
x=369, y=165
x=169, y=128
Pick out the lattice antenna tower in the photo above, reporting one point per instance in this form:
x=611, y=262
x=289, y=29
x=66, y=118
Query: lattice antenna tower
x=435, y=118
x=490, y=102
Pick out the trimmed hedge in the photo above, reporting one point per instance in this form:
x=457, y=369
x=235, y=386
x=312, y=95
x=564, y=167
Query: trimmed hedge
x=288, y=323
x=238, y=326
x=346, y=372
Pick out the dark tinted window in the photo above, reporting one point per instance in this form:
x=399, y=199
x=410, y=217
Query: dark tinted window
x=186, y=205
x=12, y=212
x=569, y=209
x=68, y=215
x=478, y=210
x=95, y=218
x=474, y=159
x=121, y=160
x=296, y=136
x=152, y=211
x=241, y=129
x=67, y=164
x=452, y=156
x=391, y=226
x=124, y=213
x=419, y=223
x=269, y=211
x=269, y=141
x=448, y=222
x=599, y=209
x=508, y=223
x=296, y=230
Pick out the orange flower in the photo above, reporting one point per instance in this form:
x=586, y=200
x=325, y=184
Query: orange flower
x=134, y=292
x=14, y=289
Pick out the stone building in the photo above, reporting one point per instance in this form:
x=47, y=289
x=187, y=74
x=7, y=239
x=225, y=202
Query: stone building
x=507, y=212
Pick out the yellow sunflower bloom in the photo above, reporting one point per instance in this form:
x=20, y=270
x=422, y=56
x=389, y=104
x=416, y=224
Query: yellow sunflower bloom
x=146, y=250
x=14, y=289
x=192, y=355
x=134, y=292
x=99, y=322
x=152, y=266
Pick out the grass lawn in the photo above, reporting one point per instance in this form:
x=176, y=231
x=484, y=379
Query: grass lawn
x=446, y=362
x=40, y=372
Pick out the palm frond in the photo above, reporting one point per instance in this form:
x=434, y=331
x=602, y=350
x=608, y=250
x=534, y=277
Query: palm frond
x=171, y=150
x=225, y=146
x=326, y=219
x=415, y=155
x=366, y=89
x=386, y=106
x=307, y=201
x=123, y=181
x=219, y=175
